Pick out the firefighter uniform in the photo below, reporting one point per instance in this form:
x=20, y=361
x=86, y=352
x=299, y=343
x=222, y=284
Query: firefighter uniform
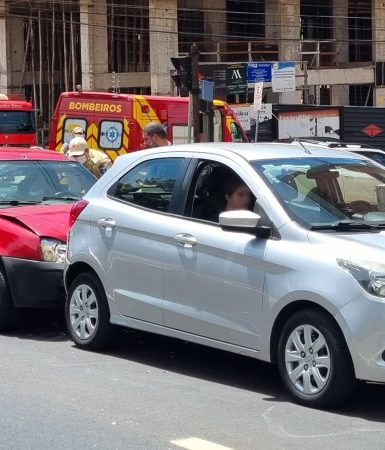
x=95, y=161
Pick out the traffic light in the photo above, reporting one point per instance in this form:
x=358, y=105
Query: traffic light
x=183, y=74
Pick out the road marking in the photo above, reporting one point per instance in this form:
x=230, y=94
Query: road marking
x=198, y=444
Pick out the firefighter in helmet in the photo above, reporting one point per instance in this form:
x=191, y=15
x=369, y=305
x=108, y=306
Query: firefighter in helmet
x=95, y=161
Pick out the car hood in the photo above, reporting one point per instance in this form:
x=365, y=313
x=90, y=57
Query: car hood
x=362, y=245
x=43, y=220
x=373, y=240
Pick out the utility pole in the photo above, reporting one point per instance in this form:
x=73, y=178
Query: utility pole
x=194, y=53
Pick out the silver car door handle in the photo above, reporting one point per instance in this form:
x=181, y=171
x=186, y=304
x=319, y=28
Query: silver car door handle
x=106, y=223
x=185, y=239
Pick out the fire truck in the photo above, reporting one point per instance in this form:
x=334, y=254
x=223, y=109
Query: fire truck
x=17, y=123
x=114, y=122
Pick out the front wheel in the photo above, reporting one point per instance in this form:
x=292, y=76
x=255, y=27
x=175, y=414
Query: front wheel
x=314, y=361
x=87, y=313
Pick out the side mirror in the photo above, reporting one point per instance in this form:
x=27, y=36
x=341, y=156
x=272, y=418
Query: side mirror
x=241, y=220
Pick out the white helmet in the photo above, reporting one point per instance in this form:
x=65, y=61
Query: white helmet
x=77, y=147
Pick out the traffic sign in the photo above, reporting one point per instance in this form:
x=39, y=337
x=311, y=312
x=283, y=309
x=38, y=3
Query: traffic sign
x=258, y=93
x=206, y=90
x=257, y=72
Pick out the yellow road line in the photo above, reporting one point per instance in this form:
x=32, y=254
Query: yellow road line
x=198, y=444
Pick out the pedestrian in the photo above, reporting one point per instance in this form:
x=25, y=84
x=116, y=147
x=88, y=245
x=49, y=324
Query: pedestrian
x=95, y=161
x=76, y=132
x=154, y=135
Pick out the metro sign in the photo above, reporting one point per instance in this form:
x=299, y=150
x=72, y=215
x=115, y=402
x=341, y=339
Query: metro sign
x=372, y=130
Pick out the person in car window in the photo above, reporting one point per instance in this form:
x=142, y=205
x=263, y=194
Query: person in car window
x=155, y=135
x=95, y=161
x=234, y=195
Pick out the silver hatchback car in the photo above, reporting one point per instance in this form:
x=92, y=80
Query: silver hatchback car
x=274, y=251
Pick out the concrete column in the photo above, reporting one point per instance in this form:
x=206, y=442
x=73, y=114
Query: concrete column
x=215, y=19
x=163, y=43
x=341, y=30
x=4, y=51
x=94, y=42
x=289, y=44
x=340, y=95
x=16, y=50
x=272, y=19
x=378, y=15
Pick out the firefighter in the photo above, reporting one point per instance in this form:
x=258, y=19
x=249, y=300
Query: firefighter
x=76, y=132
x=95, y=161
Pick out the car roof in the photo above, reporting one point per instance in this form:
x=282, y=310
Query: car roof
x=267, y=150
x=19, y=153
x=364, y=150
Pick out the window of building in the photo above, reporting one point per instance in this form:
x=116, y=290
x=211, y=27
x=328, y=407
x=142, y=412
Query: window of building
x=190, y=28
x=128, y=36
x=316, y=20
x=360, y=30
x=246, y=19
x=361, y=95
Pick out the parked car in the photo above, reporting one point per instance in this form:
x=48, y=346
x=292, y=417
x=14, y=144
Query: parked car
x=297, y=279
x=37, y=190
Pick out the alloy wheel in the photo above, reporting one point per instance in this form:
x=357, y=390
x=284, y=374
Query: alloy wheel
x=84, y=312
x=307, y=359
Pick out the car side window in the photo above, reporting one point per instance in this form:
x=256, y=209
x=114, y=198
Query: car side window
x=151, y=184
x=207, y=198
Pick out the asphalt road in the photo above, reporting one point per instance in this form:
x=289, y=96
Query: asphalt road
x=156, y=393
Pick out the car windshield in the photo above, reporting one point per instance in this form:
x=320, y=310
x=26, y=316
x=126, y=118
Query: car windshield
x=324, y=192
x=36, y=181
x=17, y=122
x=379, y=157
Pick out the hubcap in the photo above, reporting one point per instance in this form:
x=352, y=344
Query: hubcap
x=307, y=359
x=84, y=312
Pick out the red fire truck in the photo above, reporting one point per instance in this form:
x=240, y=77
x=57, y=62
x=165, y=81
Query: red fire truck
x=17, y=123
x=114, y=122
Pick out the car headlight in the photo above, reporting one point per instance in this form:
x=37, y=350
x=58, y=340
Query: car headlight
x=370, y=275
x=53, y=250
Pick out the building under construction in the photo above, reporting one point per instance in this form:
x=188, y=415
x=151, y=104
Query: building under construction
x=49, y=46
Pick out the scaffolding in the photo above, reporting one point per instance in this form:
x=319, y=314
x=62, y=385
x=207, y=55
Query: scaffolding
x=51, y=55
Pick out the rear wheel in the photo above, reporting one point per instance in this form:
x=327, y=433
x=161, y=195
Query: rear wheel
x=314, y=361
x=87, y=313
x=8, y=311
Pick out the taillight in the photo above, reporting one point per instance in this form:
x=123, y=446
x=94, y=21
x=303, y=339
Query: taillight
x=76, y=209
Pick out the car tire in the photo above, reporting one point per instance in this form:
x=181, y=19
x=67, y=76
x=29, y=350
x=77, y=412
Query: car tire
x=87, y=313
x=314, y=361
x=8, y=311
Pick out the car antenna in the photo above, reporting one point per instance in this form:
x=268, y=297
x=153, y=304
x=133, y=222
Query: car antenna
x=296, y=139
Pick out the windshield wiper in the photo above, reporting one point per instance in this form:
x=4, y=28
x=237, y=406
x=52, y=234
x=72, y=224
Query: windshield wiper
x=67, y=198
x=347, y=225
x=20, y=202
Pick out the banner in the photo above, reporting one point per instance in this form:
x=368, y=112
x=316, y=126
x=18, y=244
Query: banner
x=309, y=123
x=257, y=72
x=283, y=76
x=237, y=79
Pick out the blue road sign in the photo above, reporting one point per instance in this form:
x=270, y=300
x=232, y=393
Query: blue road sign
x=257, y=72
x=207, y=90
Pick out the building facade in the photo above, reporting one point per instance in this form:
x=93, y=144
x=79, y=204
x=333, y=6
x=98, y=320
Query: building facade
x=50, y=46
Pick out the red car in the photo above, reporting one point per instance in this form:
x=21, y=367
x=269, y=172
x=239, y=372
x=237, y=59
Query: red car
x=37, y=191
